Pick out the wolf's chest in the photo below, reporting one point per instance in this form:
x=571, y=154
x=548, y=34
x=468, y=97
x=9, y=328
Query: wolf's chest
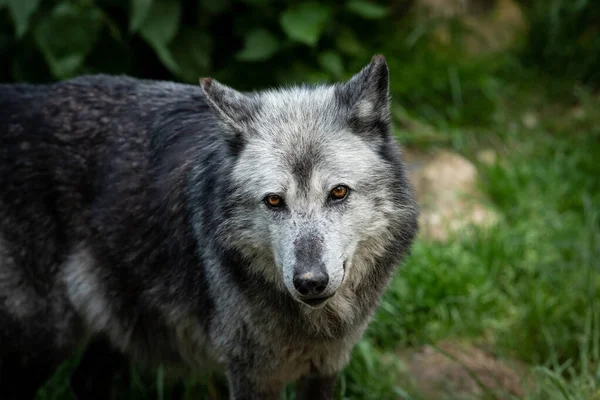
x=311, y=359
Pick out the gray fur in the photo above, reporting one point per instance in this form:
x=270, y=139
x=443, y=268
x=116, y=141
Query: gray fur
x=133, y=214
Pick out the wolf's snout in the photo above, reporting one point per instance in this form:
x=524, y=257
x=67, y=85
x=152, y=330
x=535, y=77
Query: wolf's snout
x=311, y=284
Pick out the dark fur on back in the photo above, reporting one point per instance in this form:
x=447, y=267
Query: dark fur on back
x=112, y=191
x=101, y=161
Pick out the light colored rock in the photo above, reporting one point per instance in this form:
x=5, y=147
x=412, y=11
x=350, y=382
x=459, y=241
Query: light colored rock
x=487, y=157
x=446, y=186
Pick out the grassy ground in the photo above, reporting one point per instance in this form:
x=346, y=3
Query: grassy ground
x=529, y=288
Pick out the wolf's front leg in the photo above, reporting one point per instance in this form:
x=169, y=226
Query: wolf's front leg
x=244, y=387
x=316, y=388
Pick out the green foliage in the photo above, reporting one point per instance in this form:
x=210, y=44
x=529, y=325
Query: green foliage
x=260, y=45
x=79, y=27
x=21, y=11
x=305, y=23
x=257, y=43
x=233, y=34
x=247, y=43
x=139, y=12
x=160, y=27
x=564, y=38
x=367, y=10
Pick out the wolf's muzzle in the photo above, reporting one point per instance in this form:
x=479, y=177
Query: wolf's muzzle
x=311, y=284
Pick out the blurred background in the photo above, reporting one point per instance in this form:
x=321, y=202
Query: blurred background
x=497, y=106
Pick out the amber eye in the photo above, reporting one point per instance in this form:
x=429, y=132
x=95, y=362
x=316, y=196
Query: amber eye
x=274, y=201
x=339, y=192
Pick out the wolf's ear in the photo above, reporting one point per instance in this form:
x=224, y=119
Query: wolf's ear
x=367, y=97
x=233, y=108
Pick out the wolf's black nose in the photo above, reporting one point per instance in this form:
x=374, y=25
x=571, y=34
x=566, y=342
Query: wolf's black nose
x=311, y=284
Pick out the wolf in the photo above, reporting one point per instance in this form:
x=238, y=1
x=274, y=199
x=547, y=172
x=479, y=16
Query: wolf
x=194, y=227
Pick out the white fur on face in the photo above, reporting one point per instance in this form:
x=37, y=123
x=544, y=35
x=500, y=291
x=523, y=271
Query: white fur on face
x=309, y=124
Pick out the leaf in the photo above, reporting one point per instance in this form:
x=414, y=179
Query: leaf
x=67, y=35
x=165, y=56
x=260, y=45
x=257, y=2
x=161, y=23
x=347, y=42
x=21, y=11
x=366, y=9
x=305, y=23
x=332, y=62
x=139, y=12
x=214, y=7
x=191, y=51
x=120, y=60
x=160, y=27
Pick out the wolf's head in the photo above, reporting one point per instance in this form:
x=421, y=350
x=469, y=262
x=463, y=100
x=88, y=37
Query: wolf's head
x=317, y=192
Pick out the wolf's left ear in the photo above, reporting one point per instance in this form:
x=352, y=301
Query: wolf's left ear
x=367, y=97
x=233, y=108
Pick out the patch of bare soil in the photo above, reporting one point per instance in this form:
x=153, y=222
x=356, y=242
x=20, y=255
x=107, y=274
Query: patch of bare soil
x=457, y=370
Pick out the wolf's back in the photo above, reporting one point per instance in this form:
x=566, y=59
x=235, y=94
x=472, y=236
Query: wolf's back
x=54, y=141
x=69, y=133
x=76, y=161
x=86, y=168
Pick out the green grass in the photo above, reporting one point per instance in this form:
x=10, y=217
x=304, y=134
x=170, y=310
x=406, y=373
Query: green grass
x=529, y=287
x=531, y=284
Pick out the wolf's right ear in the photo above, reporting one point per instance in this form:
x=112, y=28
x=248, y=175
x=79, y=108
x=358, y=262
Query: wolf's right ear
x=233, y=108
